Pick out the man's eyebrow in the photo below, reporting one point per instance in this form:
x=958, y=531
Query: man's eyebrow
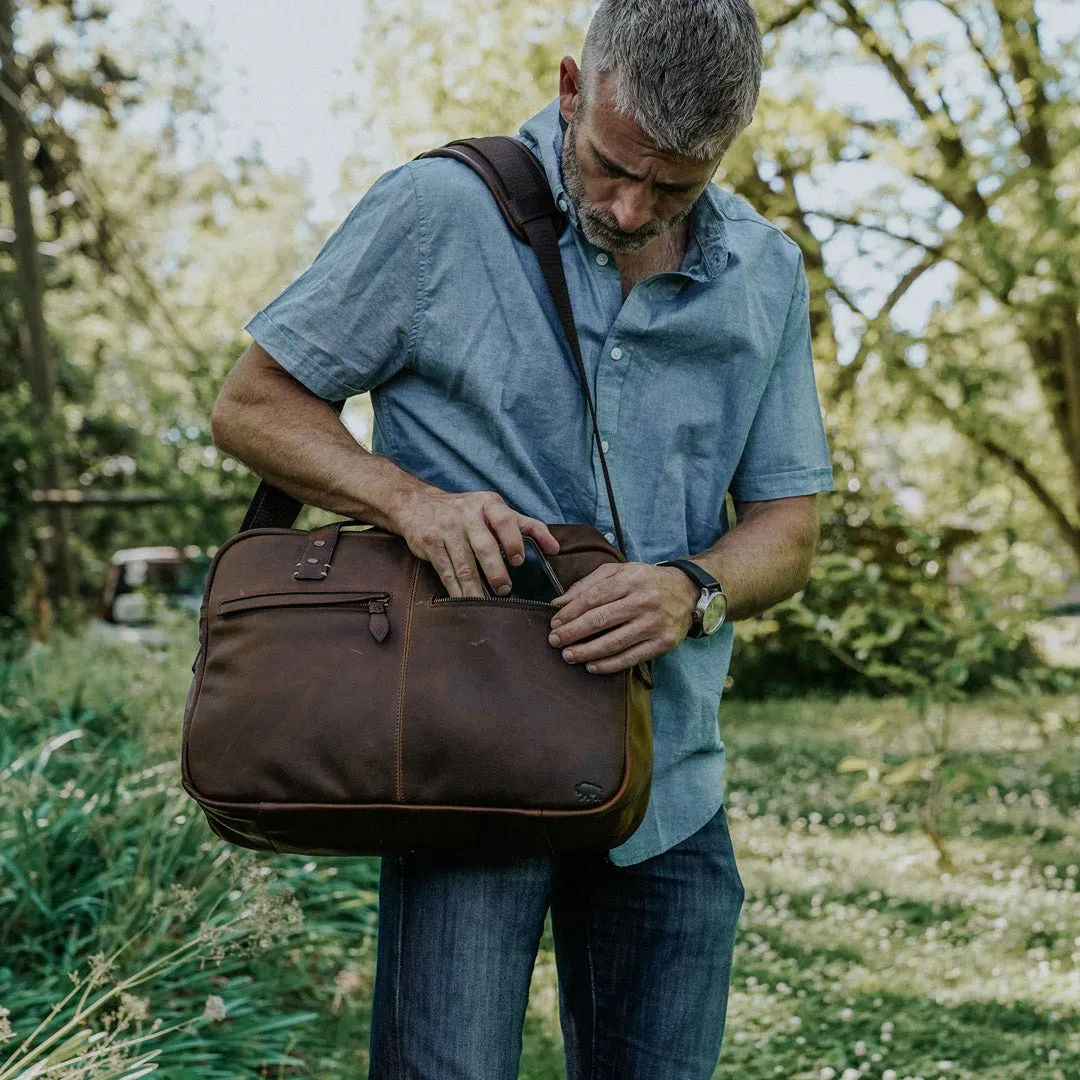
x=625, y=172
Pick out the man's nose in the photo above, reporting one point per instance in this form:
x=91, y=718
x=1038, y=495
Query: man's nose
x=631, y=208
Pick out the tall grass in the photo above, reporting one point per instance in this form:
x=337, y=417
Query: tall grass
x=130, y=937
x=132, y=940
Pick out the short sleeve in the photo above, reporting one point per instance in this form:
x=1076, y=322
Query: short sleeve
x=345, y=325
x=785, y=452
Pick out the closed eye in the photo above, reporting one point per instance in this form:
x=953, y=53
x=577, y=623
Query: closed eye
x=609, y=168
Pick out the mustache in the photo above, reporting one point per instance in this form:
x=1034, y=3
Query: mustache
x=610, y=226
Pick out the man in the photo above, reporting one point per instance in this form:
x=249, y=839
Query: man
x=692, y=314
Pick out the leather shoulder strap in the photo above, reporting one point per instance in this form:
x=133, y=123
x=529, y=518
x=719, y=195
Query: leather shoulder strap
x=519, y=184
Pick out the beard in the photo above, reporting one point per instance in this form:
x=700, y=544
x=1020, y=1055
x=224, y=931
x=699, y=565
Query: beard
x=601, y=229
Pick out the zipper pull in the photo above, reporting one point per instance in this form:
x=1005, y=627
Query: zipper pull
x=378, y=623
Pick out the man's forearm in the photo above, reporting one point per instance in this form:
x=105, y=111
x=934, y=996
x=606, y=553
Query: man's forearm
x=294, y=440
x=766, y=557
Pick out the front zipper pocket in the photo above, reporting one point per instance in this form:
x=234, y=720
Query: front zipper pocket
x=374, y=603
x=490, y=600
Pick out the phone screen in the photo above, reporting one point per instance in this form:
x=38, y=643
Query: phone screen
x=534, y=579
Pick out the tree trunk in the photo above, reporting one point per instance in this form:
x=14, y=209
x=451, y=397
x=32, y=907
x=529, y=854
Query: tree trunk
x=33, y=335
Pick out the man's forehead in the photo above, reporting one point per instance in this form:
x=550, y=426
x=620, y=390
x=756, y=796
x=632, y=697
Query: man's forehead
x=619, y=138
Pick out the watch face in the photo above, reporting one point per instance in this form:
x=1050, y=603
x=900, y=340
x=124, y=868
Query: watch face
x=714, y=613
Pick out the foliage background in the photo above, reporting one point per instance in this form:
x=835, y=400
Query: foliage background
x=902, y=746
x=922, y=152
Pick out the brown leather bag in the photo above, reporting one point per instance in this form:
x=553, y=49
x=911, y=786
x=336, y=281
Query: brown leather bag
x=343, y=704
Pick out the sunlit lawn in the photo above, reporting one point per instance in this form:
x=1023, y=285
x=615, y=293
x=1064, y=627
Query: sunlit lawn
x=857, y=956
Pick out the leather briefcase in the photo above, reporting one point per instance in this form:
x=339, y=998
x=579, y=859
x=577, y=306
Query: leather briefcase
x=343, y=704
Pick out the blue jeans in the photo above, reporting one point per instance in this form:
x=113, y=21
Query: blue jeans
x=643, y=955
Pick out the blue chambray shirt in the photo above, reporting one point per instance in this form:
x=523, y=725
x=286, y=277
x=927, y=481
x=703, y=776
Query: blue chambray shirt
x=703, y=383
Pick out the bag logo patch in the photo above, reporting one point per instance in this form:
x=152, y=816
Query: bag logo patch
x=588, y=792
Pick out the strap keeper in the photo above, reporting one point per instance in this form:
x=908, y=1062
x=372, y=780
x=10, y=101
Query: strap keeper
x=318, y=553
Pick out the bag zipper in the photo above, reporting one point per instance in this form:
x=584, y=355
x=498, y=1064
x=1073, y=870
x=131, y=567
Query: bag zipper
x=375, y=605
x=490, y=600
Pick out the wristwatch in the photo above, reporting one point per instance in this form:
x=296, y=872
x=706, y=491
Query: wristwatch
x=711, y=609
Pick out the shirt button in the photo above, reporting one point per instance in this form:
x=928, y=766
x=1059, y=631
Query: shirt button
x=561, y=204
x=604, y=446
x=602, y=258
x=616, y=353
x=609, y=537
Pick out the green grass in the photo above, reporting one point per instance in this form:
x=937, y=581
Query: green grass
x=856, y=954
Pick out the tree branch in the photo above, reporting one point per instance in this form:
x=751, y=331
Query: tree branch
x=943, y=251
x=939, y=124
x=789, y=16
x=1069, y=531
x=988, y=64
x=849, y=373
x=1037, y=144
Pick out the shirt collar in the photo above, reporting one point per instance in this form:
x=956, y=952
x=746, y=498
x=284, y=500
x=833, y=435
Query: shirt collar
x=708, y=252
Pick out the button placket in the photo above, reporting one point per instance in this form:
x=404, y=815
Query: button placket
x=610, y=379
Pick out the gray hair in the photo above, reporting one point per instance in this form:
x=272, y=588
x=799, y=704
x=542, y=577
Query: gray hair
x=688, y=71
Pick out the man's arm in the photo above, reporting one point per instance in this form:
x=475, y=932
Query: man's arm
x=766, y=557
x=646, y=609
x=292, y=438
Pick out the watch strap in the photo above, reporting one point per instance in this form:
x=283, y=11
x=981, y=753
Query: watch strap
x=694, y=572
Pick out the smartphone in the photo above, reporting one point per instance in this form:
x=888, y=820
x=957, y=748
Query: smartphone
x=534, y=579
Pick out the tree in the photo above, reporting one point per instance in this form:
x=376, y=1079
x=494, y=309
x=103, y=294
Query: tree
x=965, y=140
x=155, y=255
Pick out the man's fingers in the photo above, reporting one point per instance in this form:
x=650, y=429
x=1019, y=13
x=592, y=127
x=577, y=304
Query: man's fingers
x=593, y=621
x=490, y=558
x=621, y=639
x=602, y=586
x=467, y=577
x=646, y=650
x=540, y=533
x=443, y=565
x=504, y=523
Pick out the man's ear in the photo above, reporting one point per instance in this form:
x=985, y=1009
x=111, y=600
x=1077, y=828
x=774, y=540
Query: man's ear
x=570, y=82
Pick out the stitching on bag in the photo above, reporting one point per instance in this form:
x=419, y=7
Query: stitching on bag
x=399, y=780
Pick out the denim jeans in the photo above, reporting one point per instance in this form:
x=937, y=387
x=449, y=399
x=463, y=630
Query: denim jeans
x=643, y=955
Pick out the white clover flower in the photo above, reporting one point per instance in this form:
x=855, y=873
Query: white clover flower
x=827, y=1073
x=100, y=969
x=5, y=1025
x=215, y=1008
x=889, y=1074
x=133, y=1008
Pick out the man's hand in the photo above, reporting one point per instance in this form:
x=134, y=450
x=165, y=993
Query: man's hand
x=454, y=532
x=639, y=612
